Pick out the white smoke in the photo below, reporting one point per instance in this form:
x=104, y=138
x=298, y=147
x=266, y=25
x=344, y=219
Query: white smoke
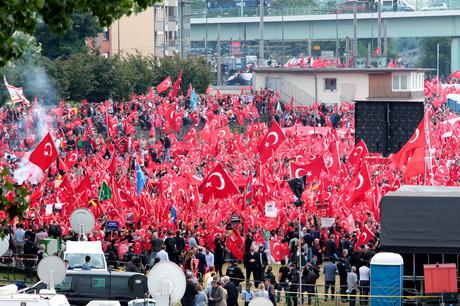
x=38, y=84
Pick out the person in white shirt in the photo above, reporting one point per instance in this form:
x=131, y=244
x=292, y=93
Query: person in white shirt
x=162, y=255
x=364, y=282
x=209, y=258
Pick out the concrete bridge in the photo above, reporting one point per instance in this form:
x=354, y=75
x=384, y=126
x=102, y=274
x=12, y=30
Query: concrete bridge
x=445, y=23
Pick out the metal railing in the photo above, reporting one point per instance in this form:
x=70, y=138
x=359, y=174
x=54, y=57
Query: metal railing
x=200, y=11
x=288, y=89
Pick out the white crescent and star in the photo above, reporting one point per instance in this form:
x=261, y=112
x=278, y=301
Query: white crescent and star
x=360, y=149
x=361, y=181
x=275, y=136
x=221, y=180
x=417, y=133
x=120, y=197
x=221, y=133
x=298, y=171
x=48, y=149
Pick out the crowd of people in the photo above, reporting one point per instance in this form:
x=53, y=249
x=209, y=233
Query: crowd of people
x=171, y=144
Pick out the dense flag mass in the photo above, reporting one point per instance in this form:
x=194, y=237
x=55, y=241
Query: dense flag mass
x=170, y=161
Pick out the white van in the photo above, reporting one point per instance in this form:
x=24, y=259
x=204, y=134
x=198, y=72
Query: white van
x=10, y=297
x=76, y=251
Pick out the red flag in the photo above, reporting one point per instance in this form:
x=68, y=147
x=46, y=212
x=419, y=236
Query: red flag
x=113, y=164
x=235, y=244
x=415, y=163
x=176, y=86
x=218, y=184
x=44, y=154
x=417, y=140
x=165, y=85
x=311, y=171
x=189, y=90
x=271, y=141
x=71, y=158
x=359, y=152
x=364, y=236
x=361, y=183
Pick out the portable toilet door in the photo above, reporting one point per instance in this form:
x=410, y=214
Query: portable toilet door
x=386, y=279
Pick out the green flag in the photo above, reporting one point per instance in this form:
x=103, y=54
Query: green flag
x=105, y=193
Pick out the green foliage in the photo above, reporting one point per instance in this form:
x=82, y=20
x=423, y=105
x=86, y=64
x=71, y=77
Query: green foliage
x=428, y=54
x=95, y=78
x=23, y=16
x=71, y=42
x=13, y=198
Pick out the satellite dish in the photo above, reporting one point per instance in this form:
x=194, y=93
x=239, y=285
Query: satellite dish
x=4, y=245
x=260, y=301
x=82, y=220
x=166, y=283
x=137, y=284
x=51, y=270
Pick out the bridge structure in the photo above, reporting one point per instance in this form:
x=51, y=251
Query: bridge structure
x=290, y=25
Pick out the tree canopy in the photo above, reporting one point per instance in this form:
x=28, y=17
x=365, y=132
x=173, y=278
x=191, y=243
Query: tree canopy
x=24, y=16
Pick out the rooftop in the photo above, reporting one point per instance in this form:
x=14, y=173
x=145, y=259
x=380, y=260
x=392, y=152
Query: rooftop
x=339, y=70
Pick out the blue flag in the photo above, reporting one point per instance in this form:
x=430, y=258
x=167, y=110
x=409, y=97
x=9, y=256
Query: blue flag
x=173, y=214
x=140, y=178
x=193, y=100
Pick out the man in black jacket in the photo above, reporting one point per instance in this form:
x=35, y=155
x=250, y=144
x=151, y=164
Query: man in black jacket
x=235, y=273
x=190, y=292
x=262, y=262
x=232, y=292
x=250, y=263
x=293, y=287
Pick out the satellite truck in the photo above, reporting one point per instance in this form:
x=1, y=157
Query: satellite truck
x=421, y=223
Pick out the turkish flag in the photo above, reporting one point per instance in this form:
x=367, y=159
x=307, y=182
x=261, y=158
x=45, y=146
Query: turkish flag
x=271, y=141
x=165, y=85
x=359, y=152
x=332, y=159
x=45, y=153
x=235, y=244
x=279, y=250
x=71, y=158
x=311, y=171
x=176, y=86
x=218, y=184
x=364, y=236
x=415, y=164
x=417, y=140
x=361, y=183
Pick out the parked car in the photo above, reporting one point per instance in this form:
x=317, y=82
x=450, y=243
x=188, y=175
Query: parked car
x=436, y=7
x=403, y=6
x=80, y=287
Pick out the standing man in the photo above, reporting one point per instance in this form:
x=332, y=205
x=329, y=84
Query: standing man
x=209, y=258
x=219, y=254
x=364, y=283
x=329, y=270
x=352, y=284
x=170, y=246
x=250, y=263
x=262, y=262
x=235, y=273
x=156, y=244
x=293, y=287
x=283, y=274
x=179, y=244
x=190, y=292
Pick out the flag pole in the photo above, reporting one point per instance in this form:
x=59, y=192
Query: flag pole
x=300, y=254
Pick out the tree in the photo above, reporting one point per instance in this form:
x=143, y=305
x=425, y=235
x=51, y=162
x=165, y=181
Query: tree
x=23, y=16
x=72, y=41
x=428, y=54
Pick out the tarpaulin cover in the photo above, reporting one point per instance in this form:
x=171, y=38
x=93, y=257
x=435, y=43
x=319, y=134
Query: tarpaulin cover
x=421, y=219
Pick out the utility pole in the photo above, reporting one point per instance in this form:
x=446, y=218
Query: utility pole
x=336, y=38
x=355, y=35
x=261, y=42
x=282, y=37
x=219, y=65
x=385, y=38
x=379, y=25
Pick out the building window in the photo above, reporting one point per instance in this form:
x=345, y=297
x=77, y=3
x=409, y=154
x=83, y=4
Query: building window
x=105, y=55
x=400, y=82
x=330, y=84
x=106, y=34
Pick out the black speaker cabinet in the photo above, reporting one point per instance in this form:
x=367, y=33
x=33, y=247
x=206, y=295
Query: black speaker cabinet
x=386, y=126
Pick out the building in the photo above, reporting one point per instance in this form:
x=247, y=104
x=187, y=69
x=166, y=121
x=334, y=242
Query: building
x=156, y=31
x=335, y=85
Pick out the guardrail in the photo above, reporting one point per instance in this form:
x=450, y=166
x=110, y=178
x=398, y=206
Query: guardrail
x=317, y=9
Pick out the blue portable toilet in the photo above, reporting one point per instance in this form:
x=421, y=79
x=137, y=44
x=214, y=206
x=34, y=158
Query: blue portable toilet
x=386, y=279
